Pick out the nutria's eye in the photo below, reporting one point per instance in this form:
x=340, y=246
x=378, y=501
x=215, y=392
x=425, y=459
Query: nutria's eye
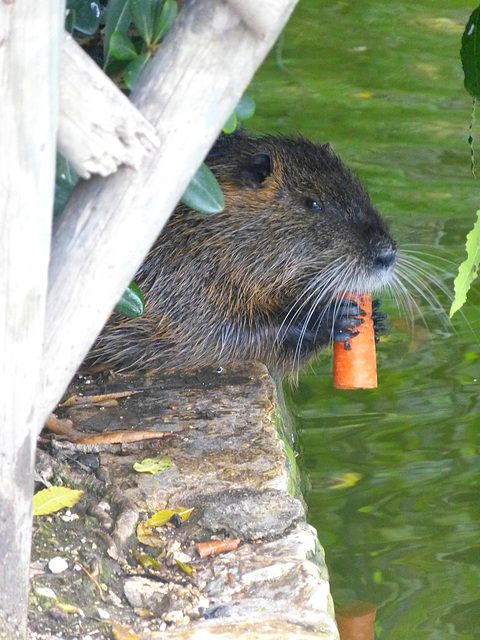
x=312, y=205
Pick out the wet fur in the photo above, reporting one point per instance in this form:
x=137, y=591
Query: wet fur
x=259, y=280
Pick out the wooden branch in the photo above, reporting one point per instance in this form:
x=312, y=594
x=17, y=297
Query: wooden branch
x=99, y=129
x=30, y=33
x=188, y=91
x=255, y=14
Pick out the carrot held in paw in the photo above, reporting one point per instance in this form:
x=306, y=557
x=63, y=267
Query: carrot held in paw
x=356, y=368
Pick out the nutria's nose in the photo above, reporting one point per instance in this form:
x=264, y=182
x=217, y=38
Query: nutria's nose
x=385, y=259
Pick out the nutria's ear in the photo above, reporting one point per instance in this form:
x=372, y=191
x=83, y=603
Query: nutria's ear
x=256, y=170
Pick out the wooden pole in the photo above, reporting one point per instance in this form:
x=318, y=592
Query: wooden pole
x=187, y=92
x=30, y=33
x=99, y=128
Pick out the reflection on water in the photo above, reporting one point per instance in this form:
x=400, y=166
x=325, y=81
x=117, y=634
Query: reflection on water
x=395, y=472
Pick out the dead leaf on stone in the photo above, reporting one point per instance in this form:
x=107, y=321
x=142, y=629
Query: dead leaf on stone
x=61, y=427
x=67, y=429
x=53, y=499
x=146, y=535
x=186, y=567
x=120, y=632
x=215, y=546
x=146, y=561
x=81, y=400
x=118, y=437
x=162, y=517
x=69, y=608
x=153, y=465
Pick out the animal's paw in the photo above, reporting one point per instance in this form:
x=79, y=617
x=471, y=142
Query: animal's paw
x=349, y=317
x=379, y=318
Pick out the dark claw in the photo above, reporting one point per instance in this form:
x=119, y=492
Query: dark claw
x=343, y=335
x=346, y=322
x=379, y=315
x=348, y=307
x=379, y=320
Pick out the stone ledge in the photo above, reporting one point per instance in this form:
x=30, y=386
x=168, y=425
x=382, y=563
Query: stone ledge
x=231, y=467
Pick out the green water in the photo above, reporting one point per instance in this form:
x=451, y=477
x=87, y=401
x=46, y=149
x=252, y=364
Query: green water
x=394, y=473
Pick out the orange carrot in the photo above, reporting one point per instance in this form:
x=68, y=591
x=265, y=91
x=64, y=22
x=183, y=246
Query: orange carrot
x=356, y=621
x=356, y=368
x=215, y=546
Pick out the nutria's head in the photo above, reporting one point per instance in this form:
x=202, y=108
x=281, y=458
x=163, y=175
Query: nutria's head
x=260, y=280
x=300, y=218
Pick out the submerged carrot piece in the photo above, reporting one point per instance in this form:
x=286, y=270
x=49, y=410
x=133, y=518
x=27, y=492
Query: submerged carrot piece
x=356, y=368
x=356, y=621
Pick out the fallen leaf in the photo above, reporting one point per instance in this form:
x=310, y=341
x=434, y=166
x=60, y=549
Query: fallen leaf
x=53, y=499
x=346, y=480
x=186, y=567
x=118, y=437
x=120, y=632
x=69, y=608
x=146, y=535
x=79, y=399
x=146, y=561
x=153, y=465
x=162, y=517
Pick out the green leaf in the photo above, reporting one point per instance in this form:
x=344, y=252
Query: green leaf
x=118, y=19
x=143, y=14
x=165, y=20
x=470, y=54
x=135, y=68
x=162, y=517
x=83, y=15
x=53, y=499
x=132, y=303
x=231, y=124
x=468, y=270
x=153, y=465
x=204, y=193
x=246, y=107
x=66, y=178
x=121, y=47
x=185, y=567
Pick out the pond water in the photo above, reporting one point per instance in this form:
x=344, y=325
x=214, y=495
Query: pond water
x=394, y=473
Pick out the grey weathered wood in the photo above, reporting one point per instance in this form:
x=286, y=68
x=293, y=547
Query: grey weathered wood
x=255, y=14
x=30, y=34
x=99, y=129
x=187, y=92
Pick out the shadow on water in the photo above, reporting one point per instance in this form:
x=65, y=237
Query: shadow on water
x=394, y=473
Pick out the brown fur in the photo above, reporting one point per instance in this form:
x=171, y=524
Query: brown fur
x=247, y=283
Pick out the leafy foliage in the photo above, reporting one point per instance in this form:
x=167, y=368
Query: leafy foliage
x=66, y=179
x=470, y=54
x=468, y=270
x=133, y=31
x=117, y=21
x=204, y=193
x=132, y=303
x=83, y=16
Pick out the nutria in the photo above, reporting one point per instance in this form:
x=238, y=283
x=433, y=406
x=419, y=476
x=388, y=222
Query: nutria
x=261, y=279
